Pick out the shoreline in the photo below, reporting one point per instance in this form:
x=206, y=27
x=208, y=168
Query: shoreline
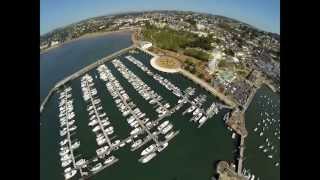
x=91, y=35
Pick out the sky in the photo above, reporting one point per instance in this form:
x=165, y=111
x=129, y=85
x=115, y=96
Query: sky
x=263, y=14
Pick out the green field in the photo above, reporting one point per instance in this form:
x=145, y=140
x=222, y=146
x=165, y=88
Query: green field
x=178, y=41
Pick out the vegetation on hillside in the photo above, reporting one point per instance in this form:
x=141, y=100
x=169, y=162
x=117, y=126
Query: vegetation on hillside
x=197, y=54
x=173, y=40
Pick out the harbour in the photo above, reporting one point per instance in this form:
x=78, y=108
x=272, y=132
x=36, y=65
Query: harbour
x=180, y=103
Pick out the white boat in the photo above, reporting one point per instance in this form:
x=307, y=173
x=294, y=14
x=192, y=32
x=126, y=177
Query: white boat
x=102, y=150
x=106, y=123
x=270, y=156
x=122, y=144
x=190, y=109
x=147, y=158
x=116, y=142
x=233, y=135
x=265, y=150
x=64, y=152
x=167, y=129
x=196, y=111
x=169, y=135
x=136, y=143
x=95, y=129
x=63, y=142
x=101, y=141
x=197, y=117
x=261, y=134
x=162, y=125
x=203, y=119
x=162, y=147
x=81, y=162
x=96, y=167
x=72, y=128
x=75, y=145
x=65, y=157
x=66, y=163
x=109, y=159
x=255, y=129
x=63, y=132
x=70, y=174
x=136, y=130
x=260, y=147
x=67, y=169
x=148, y=149
x=252, y=177
x=129, y=140
x=130, y=119
x=92, y=123
x=277, y=164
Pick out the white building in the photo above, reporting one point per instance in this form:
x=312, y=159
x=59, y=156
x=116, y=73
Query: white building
x=200, y=26
x=53, y=43
x=145, y=44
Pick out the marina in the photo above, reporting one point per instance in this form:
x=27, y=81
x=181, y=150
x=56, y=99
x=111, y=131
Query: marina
x=154, y=116
x=151, y=134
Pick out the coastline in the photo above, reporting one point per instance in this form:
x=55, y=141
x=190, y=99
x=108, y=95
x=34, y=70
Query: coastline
x=91, y=35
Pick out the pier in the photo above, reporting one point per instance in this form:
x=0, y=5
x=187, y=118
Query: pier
x=83, y=71
x=98, y=117
x=69, y=136
x=240, y=161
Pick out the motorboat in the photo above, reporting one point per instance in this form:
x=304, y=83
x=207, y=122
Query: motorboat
x=66, y=163
x=93, y=123
x=147, y=158
x=70, y=174
x=136, y=143
x=65, y=157
x=109, y=160
x=73, y=128
x=191, y=108
x=134, y=131
x=96, y=167
x=169, y=135
x=203, y=119
x=148, y=150
x=102, y=150
x=116, y=142
x=162, y=125
x=196, y=111
x=81, y=162
x=167, y=129
x=64, y=152
x=63, y=132
x=162, y=147
x=75, y=145
x=63, y=142
x=96, y=128
x=129, y=140
x=197, y=117
x=122, y=144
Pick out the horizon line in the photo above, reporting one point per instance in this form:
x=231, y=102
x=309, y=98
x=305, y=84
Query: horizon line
x=137, y=11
